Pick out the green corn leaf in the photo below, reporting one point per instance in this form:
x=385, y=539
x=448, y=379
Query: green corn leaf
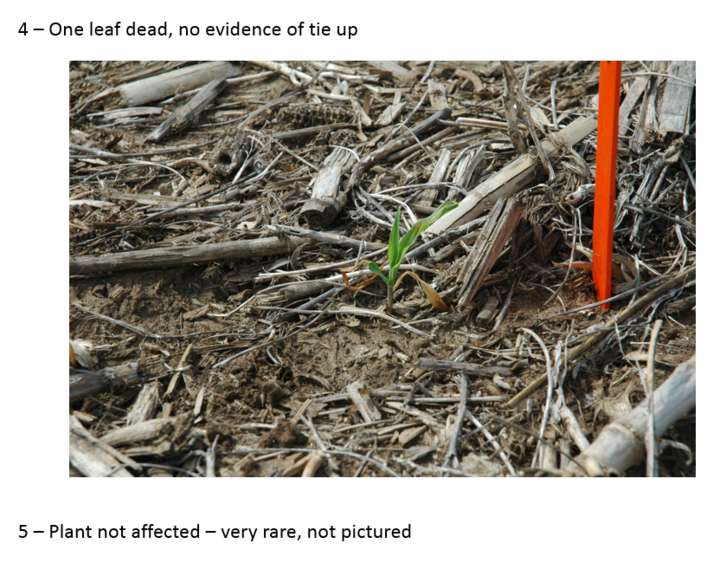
x=394, y=242
x=375, y=269
x=412, y=235
x=440, y=211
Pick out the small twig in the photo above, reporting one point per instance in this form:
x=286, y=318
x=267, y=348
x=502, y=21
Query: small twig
x=428, y=72
x=531, y=127
x=551, y=382
x=210, y=458
x=689, y=173
x=318, y=440
x=418, y=142
x=409, y=117
x=506, y=306
x=111, y=155
x=327, y=238
x=320, y=298
x=333, y=266
x=450, y=400
x=682, y=222
x=509, y=100
x=650, y=439
x=569, y=268
x=433, y=469
x=573, y=428
x=452, y=453
x=659, y=74
x=457, y=232
x=617, y=297
x=135, y=329
x=417, y=386
x=369, y=313
x=553, y=87
x=490, y=438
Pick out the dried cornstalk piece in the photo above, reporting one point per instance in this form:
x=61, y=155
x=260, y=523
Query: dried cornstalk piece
x=488, y=246
x=391, y=112
x=93, y=458
x=114, y=379
x=315, y=462
x=327, y=198
x=171, y=83
x=437, y=176
x=183, y=255
x=620, y=444
x=188, y=112
x=438, y=95
x=409, y=434
x=677, y=97
x=488, y=310
x=146, y=403
x=512, y=107
x=360, y=396
x=144, y=431
x=405, y=77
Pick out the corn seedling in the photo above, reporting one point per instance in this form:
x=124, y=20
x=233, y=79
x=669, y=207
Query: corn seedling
x=397, y=248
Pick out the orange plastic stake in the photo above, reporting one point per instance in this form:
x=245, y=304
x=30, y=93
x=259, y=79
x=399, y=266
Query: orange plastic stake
x=605, y=169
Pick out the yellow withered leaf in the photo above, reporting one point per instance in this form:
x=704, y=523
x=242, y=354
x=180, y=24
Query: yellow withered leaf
x=362, y=285
x=432, y=296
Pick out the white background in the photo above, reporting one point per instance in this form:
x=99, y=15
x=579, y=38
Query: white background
x=502, y=519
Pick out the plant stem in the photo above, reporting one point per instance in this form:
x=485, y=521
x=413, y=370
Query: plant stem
x=390, y=299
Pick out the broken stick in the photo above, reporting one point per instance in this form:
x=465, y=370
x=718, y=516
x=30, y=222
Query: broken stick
x=462, y=367
x=183, y=255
